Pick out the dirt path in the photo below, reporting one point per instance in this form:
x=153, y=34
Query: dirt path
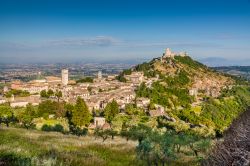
x=235, y=149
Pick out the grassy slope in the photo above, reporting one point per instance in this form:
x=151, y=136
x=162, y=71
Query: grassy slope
x=30, y=147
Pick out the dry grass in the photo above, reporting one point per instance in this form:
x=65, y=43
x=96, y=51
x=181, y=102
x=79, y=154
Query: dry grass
x=31, y=147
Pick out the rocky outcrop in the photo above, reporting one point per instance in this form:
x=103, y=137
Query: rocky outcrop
x=235, y=149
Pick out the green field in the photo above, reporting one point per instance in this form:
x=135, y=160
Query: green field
x=32, y=147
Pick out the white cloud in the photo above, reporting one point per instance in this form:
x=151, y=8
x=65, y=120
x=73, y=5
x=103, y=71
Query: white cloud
x=95, y=41
x=98, y=41
x=103, y=41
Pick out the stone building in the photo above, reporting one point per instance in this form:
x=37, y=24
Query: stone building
x=99, y=75
x=65, y=77
x=135, y=77
x=99, y=121
x=169, y=54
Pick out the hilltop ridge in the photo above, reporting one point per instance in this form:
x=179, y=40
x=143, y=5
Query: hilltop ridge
x=180, y=70
x=187, y=92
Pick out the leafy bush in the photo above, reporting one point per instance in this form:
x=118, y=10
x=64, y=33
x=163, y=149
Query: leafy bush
x=147, y=69
x=47, y=107
x=111, y=110
x=143, y=67
x=121, y=78
x=57, y=128
x=6, y=115
x=160, y=94
x=180, y=80
x=27, y=116
x=105, y=134
x=78, y=131
x=19, y=93
x=160, y=148
x=227, y=108
x=46, y=127
x=14, y=160
x=127, y=72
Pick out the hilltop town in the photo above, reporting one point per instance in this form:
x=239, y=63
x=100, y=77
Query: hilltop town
x=172, y=97
x=100, y=91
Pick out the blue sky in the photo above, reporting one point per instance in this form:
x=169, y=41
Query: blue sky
x=119, y=30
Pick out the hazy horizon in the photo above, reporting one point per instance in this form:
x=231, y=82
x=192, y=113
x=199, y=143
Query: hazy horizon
x=44, y=31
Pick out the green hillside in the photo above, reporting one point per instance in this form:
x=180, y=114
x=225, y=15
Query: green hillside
x=211, y=109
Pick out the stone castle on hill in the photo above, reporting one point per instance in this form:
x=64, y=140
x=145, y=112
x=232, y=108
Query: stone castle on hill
x=169, y=54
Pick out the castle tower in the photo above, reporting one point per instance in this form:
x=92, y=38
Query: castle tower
x=168, y=53
x=65, y=76
x=99, y=75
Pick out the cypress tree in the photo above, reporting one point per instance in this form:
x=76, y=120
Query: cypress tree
x=111, y=110
x=81, y=116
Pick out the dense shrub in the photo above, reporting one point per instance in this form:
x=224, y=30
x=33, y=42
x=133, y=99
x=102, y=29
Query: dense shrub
x=143, y=67
x=11, y=159
x=219, y=113
x=15, y=92
x=190, y=62
x=46, y=127
x=121, y=78
x=57, y=128
x=127, y=72
x=165, y=96
x=147, y=69
x=78, y=131
x=47, y=107
x=6, y=115
x=223, y=111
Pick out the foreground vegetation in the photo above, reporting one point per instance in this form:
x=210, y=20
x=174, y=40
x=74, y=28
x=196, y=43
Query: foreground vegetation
x=31, y=147
x=155, y=140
